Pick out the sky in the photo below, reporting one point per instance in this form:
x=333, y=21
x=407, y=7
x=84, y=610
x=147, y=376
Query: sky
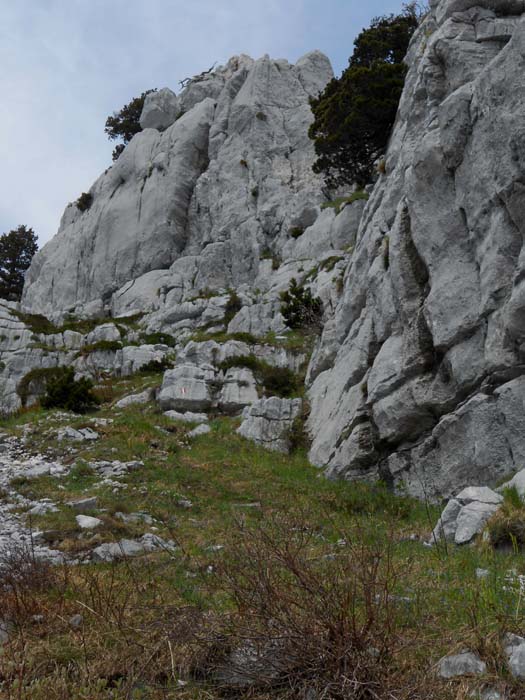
x=67, y=64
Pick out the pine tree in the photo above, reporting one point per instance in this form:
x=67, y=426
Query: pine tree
x=16, y=252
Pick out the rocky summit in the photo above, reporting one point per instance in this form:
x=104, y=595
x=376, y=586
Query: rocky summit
x=213, y=208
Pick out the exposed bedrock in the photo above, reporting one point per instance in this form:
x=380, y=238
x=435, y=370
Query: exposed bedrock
x=419, y=378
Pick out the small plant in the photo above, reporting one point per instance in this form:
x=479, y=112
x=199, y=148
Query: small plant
x=261, y=116
x=64, y=391
x=154, y=366
x=84, y=202
x=300, y=308
x=386, y=252
x=243, y=163
x=296, y=231
x=255, y=192
x=381, y=166
x=277, y=381
x=158, y=339
x=339, y=202
x=100, y=346
x=233, y=306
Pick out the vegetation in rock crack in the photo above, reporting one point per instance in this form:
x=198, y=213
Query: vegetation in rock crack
x=125, y=123
x=84, y=202
x=64, y=391
x=277, y=381
x=17, y=248
x=300, y=309
x=354, y=115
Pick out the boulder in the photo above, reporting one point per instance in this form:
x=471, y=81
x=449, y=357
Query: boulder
x=187, y=417
x=161, y=109
x=268, y=422
x=465, y=664
x=188, y=388
x=136, y=399
x=86, y=522
x=466, y=515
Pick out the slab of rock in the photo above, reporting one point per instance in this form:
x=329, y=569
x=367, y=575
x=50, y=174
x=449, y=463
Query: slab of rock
x=111, y=551
x=187, y=417
x=80, y=435
x=86, y=522
x=465, y=664
x=84, y=504
x=199, y=430
x=143, y=397
x=187, y=388
x=466, y=515
x=239, y=390
x=42, y=509
x=269, y=421
x=472, y=519
x=515, y=649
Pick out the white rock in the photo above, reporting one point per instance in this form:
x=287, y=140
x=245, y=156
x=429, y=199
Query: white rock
x=464, y=664
x=187, y=417
x=86, y=522
x=199, y=430
x=160, y=110
x=268, y=422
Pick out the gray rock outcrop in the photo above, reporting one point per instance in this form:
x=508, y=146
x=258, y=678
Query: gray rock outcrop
x=466, y=515
x=216, y=187
x=423, y=363
x=268, y=422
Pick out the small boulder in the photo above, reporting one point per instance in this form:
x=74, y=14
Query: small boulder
x=199, y=430
x=136, y=399
x=76, y=621
x=161, y=109
x=86, y=522
x=187, y=417
x=84, y=504
x=465, y=664
x=515, y=650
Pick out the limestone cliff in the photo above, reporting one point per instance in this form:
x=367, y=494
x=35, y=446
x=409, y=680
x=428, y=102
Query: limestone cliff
x=423, y=379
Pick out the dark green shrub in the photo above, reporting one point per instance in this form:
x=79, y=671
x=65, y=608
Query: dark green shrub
x=154, y=366
x=300, y=308
x=277, y=381
x=354, y=115
x=296, y=231
x=84, y=202
x=232, y=307
x=64, y=391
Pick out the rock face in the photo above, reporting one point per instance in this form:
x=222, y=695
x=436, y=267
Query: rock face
x=214, y=188
x=423, y=362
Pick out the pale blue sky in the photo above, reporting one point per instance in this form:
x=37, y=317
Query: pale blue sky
x=67, y=64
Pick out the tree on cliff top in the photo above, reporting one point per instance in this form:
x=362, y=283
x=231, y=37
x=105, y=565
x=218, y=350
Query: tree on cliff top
x=16, y=252
x=354, y=115
x=125, y=124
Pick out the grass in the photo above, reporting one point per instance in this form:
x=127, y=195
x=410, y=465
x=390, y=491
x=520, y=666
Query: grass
x=340, y=201
x=149, y=623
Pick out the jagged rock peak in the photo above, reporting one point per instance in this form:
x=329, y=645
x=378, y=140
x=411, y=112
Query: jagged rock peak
x=225, y=176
